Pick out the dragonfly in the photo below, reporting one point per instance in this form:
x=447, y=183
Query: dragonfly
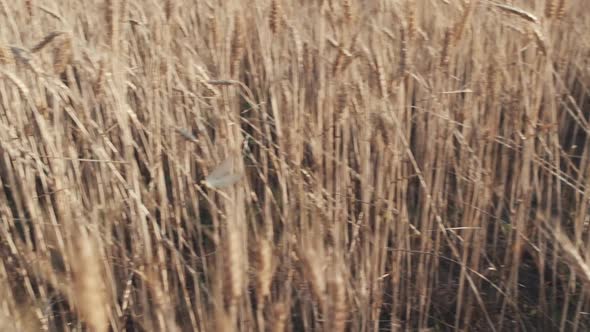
x=223, y=175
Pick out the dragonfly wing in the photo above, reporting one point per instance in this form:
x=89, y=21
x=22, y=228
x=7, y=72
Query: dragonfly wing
x=222, y=175
x=222, y=182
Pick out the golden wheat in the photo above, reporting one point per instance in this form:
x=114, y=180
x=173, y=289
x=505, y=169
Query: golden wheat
x=394, y=165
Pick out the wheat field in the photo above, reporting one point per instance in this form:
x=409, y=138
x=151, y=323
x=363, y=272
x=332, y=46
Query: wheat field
x=305, y=165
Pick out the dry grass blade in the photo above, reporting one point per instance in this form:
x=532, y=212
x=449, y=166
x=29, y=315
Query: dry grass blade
x=540, y=40
x=22, y=88
x=51, y=13
x=516, y=11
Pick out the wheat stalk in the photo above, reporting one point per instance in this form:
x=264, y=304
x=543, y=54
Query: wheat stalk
x=274, y=16
x=560, y=9
x=550, y=6
x=63, y=54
